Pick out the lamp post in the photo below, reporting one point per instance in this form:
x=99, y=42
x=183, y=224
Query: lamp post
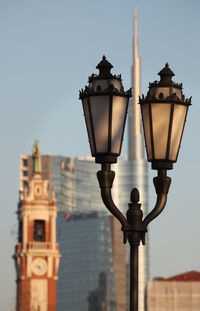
x=164, y=112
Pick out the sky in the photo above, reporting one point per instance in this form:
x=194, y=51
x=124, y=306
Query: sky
x=48, y=50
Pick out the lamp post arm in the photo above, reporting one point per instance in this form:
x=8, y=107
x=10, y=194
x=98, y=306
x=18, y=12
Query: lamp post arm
x=160, y=205
x=105, y=178
x=162, y=184
x=108, y=201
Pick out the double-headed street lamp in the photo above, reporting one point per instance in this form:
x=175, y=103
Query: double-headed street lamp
x=164, y=112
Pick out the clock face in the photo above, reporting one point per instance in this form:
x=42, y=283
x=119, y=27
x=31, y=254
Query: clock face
x=39, y=266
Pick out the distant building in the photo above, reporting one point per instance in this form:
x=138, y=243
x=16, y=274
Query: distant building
x=178, y=293
x=74, y=180
x=36, y=253
x=77, y=190
x=92, y=274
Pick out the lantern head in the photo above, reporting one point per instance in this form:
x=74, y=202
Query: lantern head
x=105, y=105
x=164, y=112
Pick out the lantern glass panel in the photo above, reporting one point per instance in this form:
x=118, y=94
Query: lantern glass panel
x=147, y=129
x=160, y=123
x=177, y=129
x=88, y=124
x=119, y=109
x=100, y=118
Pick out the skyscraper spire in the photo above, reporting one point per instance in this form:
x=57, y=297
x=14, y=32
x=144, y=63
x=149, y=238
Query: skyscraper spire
x=135, y=33
x=137, y=162
x=135, y=140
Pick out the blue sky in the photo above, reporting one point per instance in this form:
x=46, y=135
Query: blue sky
x=48, y=50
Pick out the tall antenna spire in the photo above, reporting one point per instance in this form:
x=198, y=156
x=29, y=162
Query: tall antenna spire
x=135, y=37
x=137, y=162
x=135, y=148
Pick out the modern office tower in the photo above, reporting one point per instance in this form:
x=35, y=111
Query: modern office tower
x=92, y=274
x=177, y=293
x=136, y=161
x=79, y=186
x=36, y=254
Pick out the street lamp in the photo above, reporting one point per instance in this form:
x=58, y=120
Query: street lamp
x=105, y=107
x=164, y=112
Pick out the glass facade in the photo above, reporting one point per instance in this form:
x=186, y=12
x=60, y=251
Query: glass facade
x=85, y=196
x=87, y=189
x=88, y=268
x=56, y=177
x=79, y=186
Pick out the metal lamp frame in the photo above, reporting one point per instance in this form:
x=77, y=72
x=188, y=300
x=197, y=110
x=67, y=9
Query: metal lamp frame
x=104, y=74
x=134, y=227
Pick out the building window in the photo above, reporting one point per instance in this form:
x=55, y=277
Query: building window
x=25, y=162
x=25, y=173
x=39, y=230
x=25, y=183
x=20, y=232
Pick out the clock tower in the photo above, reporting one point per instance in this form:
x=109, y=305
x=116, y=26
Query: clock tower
x=37, y=255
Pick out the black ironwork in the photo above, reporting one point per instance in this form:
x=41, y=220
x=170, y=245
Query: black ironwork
x=104, y=74
x=98, y=89
x=134, y=226
x=173, y=99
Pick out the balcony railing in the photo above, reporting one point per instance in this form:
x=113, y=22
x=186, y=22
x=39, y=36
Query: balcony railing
x=37, y=246
x=40, y=246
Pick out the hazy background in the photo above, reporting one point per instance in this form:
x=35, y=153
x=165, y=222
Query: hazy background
x=47, y=51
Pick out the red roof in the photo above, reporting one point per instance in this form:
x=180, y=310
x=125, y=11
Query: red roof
x=190, y=276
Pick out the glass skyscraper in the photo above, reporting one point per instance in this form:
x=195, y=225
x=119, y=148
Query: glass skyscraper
x=92, y=274
x=85, y=195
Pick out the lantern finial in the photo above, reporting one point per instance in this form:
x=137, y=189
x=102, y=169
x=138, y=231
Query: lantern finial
x=166, y=75
x=104, y=68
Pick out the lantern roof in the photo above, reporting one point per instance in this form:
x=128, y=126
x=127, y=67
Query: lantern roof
x=166, y=75
x=104, y=67
x=112, y=88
